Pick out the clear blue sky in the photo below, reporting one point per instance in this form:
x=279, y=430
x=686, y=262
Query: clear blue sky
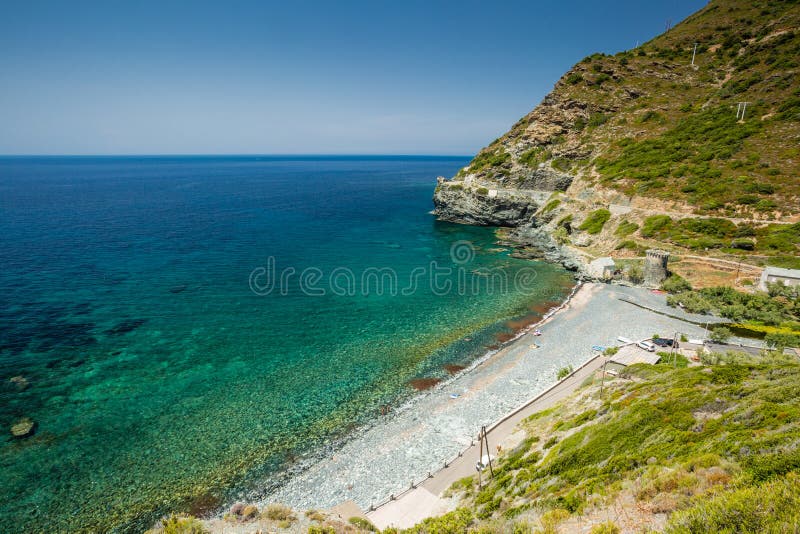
x=372, y=77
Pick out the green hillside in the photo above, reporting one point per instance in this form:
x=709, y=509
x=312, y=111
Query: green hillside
x=649, y=130
x=687, y=449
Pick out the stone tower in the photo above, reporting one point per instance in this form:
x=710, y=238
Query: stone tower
x=655, y=267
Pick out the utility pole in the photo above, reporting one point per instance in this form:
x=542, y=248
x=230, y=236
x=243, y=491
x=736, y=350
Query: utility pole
x=673, y=351
x=694, y=53
x=740, y=110
x=603, y=377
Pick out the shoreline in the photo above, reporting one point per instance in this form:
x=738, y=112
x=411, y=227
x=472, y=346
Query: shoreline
x=579, y=294
x=311, y=458
x=436, y=425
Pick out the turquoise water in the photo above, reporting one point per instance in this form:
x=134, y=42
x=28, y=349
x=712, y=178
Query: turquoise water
x=159, y=380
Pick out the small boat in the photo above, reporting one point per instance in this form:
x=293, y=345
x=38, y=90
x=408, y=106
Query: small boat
x=537, y=332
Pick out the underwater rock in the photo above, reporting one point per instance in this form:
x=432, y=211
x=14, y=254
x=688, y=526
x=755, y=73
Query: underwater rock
x=23, y=428
x=20, y=382
x=125, y=326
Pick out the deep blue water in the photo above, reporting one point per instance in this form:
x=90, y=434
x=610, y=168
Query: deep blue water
x=159, y=380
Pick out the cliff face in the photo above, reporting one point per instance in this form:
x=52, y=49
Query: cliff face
x=654, y=132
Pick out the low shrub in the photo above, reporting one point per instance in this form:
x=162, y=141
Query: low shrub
x=593, y=224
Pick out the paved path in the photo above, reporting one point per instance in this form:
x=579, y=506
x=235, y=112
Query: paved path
x=425, y=500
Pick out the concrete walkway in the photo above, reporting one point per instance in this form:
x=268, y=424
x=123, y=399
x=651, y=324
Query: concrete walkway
x=426, y=501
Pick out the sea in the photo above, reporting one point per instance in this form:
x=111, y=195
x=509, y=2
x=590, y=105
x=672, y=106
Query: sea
x=183, y=330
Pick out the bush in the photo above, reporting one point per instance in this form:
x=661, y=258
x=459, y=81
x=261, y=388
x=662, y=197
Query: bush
x=455, y=522
x=574, y=78
x=676, y=284
x=279, y=512
x=771, y=507
x=482, y=191
x=654, y=223
x=625, y=228
x=605, y=528
x=550, y=206
x=635, y=273
x=564, y=372
x=561, y=236
x=720, y=334
x=362, y=523
x=182, y=524
x=593, y=224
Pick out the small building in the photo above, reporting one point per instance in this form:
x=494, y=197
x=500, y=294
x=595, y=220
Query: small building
x=789, y=277
x=602, y=268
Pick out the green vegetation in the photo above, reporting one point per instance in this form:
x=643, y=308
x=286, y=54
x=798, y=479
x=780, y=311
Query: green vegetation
x=533, y=157
x=654, y=223
x=593, y=224
x=482, y=191
x=676, y=284
x=564, y=372
x=781, y=308
x=698, y=233
x=181, y=524
x=711, y=447
x=551, y=205
x=363, y=524
x=494, y=157
x=625, y=228
x=720, y=334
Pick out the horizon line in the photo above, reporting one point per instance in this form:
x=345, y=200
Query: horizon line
x=234, y=154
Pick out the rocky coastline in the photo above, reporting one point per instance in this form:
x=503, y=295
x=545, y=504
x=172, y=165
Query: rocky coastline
x=530, y=232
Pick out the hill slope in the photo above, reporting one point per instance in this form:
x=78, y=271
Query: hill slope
x=643, y=133
x=698, y=449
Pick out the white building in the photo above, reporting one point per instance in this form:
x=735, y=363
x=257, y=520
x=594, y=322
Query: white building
x=790, y=277
x=602, y=268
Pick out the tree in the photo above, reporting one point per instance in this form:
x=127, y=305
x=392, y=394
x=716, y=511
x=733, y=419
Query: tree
x=720, y=334
x=635, y=273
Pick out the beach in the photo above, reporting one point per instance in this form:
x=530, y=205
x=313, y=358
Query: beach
x=437, y=425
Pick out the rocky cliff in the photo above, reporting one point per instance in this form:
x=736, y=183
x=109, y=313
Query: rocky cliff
x=652, y=147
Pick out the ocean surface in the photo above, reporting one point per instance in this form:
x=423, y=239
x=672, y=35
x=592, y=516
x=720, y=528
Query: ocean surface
x=186, y=328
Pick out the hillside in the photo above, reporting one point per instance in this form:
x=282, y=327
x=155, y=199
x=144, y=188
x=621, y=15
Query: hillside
x=644, y=149
x=692, y=449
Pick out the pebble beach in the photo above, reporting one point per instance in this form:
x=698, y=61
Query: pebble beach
x=436, y=425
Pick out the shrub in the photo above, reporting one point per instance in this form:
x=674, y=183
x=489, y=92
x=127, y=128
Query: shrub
x=249, y=512
x=771, y=507
x=625, y=228
x=279, y=512
x=635, y=273
x=676, y=284
x=550, y=206
x=455, y=522
x=597, y=119
x=182, y=524
x=363, y=524
x=720, y=334
x=593, y=224
x=654, y=223
x=605, y=528
x=482, y=191
x=561, y=236
x=564, y=372
x=574, y=78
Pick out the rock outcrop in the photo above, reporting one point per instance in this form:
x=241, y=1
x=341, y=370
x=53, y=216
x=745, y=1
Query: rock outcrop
x=648, y=132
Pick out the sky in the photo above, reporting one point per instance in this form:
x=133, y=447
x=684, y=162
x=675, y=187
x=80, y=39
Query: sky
x=296, y=77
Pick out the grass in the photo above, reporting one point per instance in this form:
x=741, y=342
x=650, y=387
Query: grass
x=761, y=308
x=625, y=228
x=680, y=435
x=593, y=224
